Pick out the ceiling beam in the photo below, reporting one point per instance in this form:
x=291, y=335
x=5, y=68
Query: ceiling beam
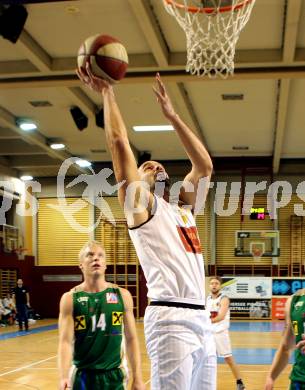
x=20, y=162
x=44, y=63
x=34, y=52
x=34, y=138
x=282, y=109
x=18, y=147
x=7, y=171
x=78, y=96
x=17, y=67
x=263, y=73
x=8, y=134
x=184, y=108
x=292, y=20
x=146, y=62
x=150, y=29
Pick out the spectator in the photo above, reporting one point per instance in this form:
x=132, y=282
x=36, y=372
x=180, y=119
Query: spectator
x=8, y=303
x=21, y=299
x=4, y=314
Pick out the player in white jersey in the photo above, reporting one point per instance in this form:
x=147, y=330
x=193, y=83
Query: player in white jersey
x=219, y=307
x=177, y=327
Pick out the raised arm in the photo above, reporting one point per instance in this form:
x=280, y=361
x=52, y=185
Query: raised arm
x=66, y=336
x=124, y=162
x=281, y=357
x=132, y=343
x=201, y=162
x=224, y=307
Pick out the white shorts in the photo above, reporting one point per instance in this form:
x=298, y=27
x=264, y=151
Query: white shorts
x=223, y=344
x=181, y=348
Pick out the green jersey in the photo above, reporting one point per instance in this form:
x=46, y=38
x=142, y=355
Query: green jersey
x=297, y=316
x=98, y=325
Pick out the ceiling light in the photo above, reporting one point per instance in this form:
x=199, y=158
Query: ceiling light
x=26, y=178
x=58, y=146
x=26, y=124
x=83, y=163
x=154, y=128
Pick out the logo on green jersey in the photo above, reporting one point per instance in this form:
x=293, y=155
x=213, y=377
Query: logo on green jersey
x=295, y=328
x=117, y=318
x=298, y=305
x=80, y=323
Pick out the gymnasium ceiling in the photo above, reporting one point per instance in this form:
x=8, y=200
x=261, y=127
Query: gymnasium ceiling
x=270, y=73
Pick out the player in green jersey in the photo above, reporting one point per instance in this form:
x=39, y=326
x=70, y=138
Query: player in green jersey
x=293, y=337
x=93, y=318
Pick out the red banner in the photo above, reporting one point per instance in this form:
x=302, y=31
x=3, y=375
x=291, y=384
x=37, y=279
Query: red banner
x=278, y=308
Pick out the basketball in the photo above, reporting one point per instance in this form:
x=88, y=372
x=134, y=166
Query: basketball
x=107, y=57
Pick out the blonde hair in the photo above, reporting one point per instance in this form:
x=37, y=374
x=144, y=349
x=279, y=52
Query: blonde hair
x=87, y=245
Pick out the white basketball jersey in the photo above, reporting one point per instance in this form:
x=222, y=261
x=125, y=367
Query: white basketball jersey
x=169, y=251
x=213, y=306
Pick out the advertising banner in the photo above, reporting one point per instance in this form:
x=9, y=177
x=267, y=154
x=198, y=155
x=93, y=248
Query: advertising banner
x=286, y=286
x=247, y=287
x=250, y=308
x=278, y=308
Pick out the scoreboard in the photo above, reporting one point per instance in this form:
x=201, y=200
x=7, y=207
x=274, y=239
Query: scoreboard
x=258, y=213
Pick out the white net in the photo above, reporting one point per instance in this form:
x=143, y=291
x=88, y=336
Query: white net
x=257, y=250
x=212, y=28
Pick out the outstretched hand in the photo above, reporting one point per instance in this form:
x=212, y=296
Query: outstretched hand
x=93, y=82
x=163, y=99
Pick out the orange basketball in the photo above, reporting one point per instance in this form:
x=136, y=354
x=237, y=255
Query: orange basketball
x=107, y=57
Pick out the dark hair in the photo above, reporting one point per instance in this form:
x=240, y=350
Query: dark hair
x=217, y=278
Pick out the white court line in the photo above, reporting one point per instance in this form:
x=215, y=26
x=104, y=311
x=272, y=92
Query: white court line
x=27, y=366
x=146, y=383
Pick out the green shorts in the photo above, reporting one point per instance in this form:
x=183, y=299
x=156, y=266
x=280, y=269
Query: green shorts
x=297, y=385
x=99, y=380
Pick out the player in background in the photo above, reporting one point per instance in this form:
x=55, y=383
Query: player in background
x=293, y=338
x=93, y=317
x=219, y=307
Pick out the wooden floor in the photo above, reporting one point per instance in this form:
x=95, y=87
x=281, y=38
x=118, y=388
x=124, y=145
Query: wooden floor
x=29, y=362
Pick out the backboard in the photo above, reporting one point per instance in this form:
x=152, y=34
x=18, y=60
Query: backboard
x=246, y=241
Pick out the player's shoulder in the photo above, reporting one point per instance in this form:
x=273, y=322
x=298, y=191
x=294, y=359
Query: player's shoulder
x=224, y=296
x=66, y=302
x=113, y=286
x=127, y=298
x=124, y=292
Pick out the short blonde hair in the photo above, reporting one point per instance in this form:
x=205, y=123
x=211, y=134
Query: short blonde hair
x=87, y=245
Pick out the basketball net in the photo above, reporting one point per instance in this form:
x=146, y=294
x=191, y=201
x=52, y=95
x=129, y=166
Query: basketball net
x=257, y=253
x=212, y=29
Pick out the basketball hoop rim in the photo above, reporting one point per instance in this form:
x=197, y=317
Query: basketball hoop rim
x=193, y=9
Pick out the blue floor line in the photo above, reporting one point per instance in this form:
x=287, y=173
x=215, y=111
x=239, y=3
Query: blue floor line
x=255, y=356
x=40, y=329
x=257, y=326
